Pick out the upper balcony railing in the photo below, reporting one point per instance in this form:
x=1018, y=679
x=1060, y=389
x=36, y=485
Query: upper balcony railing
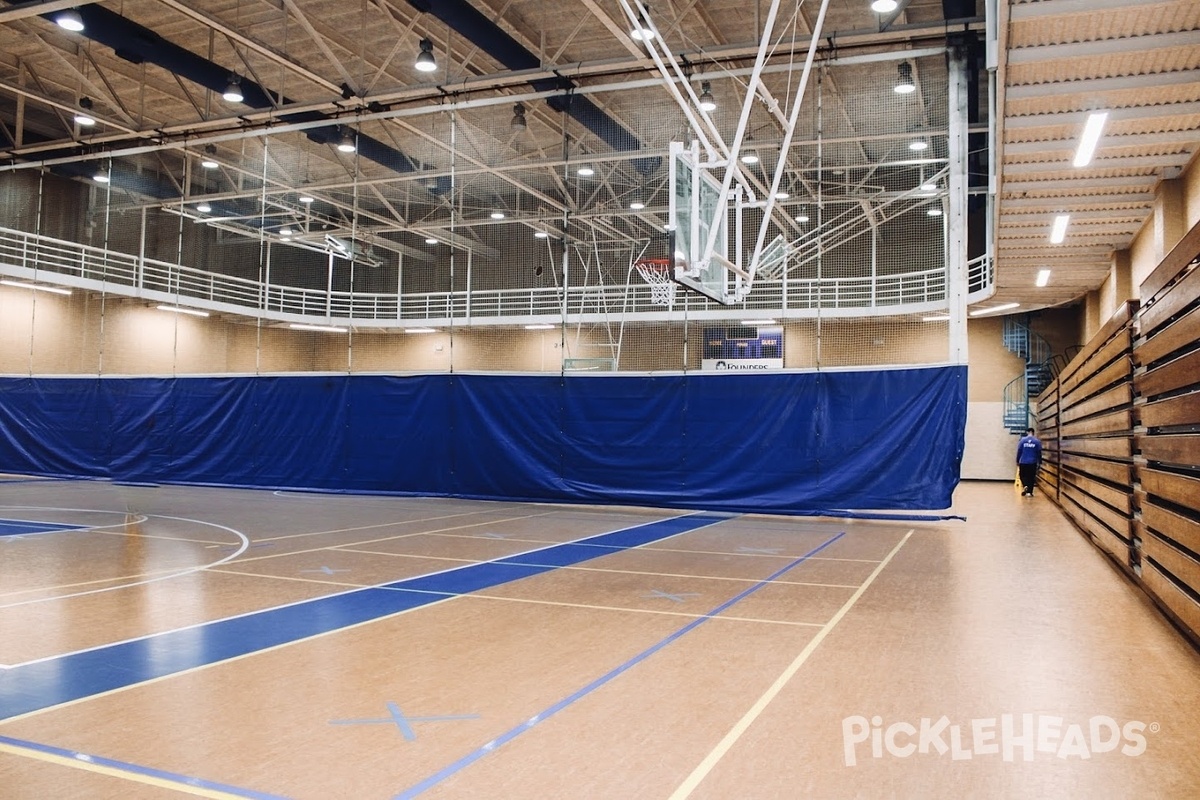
x=36, y=257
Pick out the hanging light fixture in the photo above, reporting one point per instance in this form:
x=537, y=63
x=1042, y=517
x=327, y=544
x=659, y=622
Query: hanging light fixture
x=884, y=6
x=203, y=208
x=208, y=161
x=69, y=20
x=83, y=118
x=748, y=155
x=233, y=91
x=518, y=122
x=425, y=60
x=585, y=172
x=642, y=30
x=101, y=176
x=346, y=141
x=706, y=98
x=904, y=79
x=917, y=145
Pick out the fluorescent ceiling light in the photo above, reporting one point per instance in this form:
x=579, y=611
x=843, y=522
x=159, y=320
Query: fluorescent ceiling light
x=1090, y=138
x=36, y=287
x=1043, y=277
x=328, y=328
x=69, y=20
x=758, y=322
x=203, y=208
x=539, y=327
x=178, y=310
x=1059, y=231
x=994, y=309
x=420, y=330
x=884, y=6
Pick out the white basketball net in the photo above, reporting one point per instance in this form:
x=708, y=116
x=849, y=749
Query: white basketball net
x=658, y=275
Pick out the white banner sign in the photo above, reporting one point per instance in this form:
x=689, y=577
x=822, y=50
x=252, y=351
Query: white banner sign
x=741, y=364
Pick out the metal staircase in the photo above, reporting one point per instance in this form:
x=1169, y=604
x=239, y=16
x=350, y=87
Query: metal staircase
x=1038, y=373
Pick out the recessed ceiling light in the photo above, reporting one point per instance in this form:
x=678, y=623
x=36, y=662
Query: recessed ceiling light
x=1043, y=277
x=180, y=310
x=1059, y=231
x=1090, y=138
x=36, y=287
x=993, y=309
x=299, y=326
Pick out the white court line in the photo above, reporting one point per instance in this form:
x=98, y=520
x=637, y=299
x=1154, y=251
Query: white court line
x=661, y=612
x=706, y=766
x=245, y=543
x=380, y=585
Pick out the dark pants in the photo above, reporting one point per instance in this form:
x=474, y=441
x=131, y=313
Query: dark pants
x=1028, y=475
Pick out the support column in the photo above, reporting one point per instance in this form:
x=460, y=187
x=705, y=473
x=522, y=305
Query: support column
x=956, y=206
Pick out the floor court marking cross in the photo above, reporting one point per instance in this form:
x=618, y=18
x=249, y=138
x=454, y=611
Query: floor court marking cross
x=677, y=597
x=404, y=723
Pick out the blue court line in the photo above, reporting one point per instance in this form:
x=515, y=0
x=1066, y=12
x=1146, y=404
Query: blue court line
x=125, y=766
x=41, y=684
x=508, y=736
x=17, y=527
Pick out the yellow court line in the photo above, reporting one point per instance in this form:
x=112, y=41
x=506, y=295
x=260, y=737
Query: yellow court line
x=348, y=545
x=599, y=569
x=787, y=556
x=285, y=537
x=706, y=766
x=533, y=601
x=114, y=772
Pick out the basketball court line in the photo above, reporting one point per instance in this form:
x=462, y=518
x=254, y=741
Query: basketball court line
x=245, y=542
x=111, y=667
x=504, y=738
x=731, y=738
x=561, y=604
x=126, y=771
x=588, y=569
x=285, y=537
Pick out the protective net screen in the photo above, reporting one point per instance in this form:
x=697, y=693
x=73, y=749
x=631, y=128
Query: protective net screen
x=488, y=237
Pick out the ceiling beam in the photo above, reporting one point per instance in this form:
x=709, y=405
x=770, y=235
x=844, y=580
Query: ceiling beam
x=1093, y=86
x=1100, y=48
x=1135, y=113
x=1118, y=162
x=1140, y=141
x=1021, y=12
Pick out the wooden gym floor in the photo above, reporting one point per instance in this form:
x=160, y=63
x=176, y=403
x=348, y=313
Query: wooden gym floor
x=164, y=641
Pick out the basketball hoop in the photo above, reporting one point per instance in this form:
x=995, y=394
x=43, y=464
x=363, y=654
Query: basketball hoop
x=657, y=273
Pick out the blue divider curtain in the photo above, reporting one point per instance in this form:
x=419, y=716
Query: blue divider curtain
x=783, y=443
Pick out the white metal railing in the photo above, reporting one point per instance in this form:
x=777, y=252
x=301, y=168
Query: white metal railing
x=29, y=255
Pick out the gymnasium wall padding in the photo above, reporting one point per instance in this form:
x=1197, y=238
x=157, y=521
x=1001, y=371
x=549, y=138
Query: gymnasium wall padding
x=782, y=443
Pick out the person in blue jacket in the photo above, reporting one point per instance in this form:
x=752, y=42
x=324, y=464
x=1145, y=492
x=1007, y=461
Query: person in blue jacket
x=1029, y=460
